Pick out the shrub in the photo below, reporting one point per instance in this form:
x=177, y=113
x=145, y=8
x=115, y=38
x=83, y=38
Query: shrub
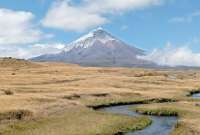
x=72, y=97
x=8, y=92
x=16, y=115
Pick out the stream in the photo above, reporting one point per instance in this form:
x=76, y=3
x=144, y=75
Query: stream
x=197, y=95
x=160, y=125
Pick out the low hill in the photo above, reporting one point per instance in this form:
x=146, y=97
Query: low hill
x=13, y=62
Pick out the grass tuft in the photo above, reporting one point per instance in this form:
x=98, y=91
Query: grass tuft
x=158, y=112
x=15, y=115
x=72, y=97
x=8, y=92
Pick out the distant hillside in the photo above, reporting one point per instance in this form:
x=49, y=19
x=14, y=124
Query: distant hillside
x=12, y=62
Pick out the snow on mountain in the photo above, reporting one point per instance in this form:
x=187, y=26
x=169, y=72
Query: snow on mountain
x=89, y=39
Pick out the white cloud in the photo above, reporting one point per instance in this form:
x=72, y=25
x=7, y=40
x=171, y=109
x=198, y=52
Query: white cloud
x=29, y=51
x=188, y=18
x=116, y=6
x=181, y=56
x=63, y=14
x=177, y=20
x=16, y=27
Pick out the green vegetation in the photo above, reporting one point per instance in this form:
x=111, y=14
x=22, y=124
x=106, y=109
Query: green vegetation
x=78, y=121
x=158, y=111
x=99, y=104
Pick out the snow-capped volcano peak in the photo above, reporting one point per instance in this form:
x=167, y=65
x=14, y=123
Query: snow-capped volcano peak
x=97, y=34
x=98, y=48
x=89, y=39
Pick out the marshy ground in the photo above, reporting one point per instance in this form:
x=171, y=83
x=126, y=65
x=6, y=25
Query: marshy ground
x=53, y=98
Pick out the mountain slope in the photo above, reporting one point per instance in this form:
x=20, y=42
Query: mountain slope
x=98, y=48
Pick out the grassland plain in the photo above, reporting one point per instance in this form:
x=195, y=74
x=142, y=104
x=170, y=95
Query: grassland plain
x=53, y=98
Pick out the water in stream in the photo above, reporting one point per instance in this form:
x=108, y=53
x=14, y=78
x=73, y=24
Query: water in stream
x=197, y=95
x=160, y=125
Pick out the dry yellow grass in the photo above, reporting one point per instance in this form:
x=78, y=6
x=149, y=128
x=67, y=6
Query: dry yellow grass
x=48, y=89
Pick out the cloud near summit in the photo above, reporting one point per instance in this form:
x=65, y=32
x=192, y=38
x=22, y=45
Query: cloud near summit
x=68, y=16
x=173, y=56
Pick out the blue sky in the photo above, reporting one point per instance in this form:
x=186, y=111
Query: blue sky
x=147, y=24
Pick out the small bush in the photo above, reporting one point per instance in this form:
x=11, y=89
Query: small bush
x=72, y=97
x=100, y=95
x=16, y=115
x=13, y=74
x=158, y=112
x=8, y=92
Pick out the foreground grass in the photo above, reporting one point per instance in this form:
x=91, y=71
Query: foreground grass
x=78, y=121
x=48, y=92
